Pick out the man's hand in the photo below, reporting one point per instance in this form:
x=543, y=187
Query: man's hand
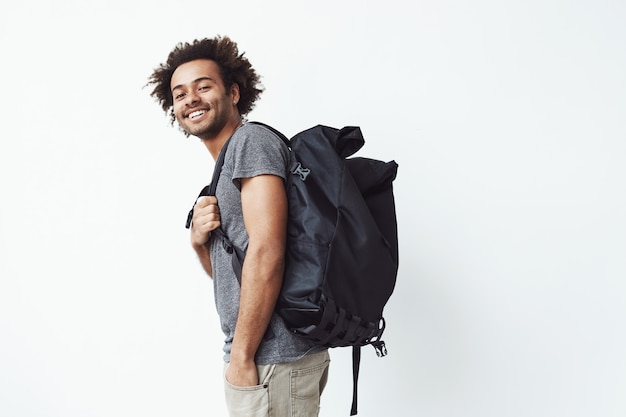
x=206, y=218
x=242, y=373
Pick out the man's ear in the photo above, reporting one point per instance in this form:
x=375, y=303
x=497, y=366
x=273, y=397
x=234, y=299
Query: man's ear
x=234, y=93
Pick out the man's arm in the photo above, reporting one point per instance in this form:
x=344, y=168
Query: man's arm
x=206, y=218
x=264, y=206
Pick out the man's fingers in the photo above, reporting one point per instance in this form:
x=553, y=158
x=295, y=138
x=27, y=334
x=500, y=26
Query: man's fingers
x=210, y=210
x=206, y=218
x=207, y=221
x=206, y=214
x=206, y=200
x=211, y=218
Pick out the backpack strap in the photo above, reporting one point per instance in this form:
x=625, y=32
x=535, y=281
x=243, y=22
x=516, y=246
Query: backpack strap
x=274, y=131
x=356, y=362
x=237, y=255
x=209, y=190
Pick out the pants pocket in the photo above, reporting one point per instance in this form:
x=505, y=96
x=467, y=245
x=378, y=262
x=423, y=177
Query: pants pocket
x=306, y=388
x=249, y=401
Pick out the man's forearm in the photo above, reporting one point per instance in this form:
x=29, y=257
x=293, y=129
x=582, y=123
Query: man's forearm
x=204, y=255
x=260, y=285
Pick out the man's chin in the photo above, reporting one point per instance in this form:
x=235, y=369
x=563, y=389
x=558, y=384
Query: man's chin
x=206, y=130
x=197, y=131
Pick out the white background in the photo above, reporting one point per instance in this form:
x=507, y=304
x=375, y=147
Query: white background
x=507, y=122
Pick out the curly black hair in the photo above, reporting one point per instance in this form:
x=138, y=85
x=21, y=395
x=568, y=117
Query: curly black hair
x=234, y=68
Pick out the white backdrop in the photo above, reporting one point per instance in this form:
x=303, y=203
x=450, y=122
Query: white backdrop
x=507, y=121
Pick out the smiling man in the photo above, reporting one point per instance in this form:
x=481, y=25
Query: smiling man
x=207, y=87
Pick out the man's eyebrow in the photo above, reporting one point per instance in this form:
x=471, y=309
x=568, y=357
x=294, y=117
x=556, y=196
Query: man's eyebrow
x=197, y=80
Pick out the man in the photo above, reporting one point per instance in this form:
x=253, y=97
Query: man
x=207, y=87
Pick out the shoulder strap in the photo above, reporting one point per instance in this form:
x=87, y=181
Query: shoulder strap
x=275, y=131
x=237, y=255
x=210, y=189
x=218, y=169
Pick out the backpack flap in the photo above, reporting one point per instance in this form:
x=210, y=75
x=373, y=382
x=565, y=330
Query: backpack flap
x=347, y=141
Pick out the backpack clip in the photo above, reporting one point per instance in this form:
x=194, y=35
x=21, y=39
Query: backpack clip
x=301, y=171
x=228, y=247
x=380, y=348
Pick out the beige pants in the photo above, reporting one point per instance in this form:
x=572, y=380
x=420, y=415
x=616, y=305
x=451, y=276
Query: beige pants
x=285, y=390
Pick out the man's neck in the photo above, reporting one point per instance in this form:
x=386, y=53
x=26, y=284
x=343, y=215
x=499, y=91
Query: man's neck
x=215, y=143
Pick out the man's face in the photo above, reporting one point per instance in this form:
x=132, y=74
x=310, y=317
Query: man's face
x=202, y=105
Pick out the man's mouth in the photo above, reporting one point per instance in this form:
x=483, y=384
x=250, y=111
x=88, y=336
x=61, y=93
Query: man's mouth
x=196, y=114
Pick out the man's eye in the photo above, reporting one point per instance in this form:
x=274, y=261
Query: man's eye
x=179, y=96
x=203, y=87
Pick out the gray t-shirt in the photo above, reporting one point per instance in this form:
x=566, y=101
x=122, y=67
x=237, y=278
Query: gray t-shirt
x=253, y=150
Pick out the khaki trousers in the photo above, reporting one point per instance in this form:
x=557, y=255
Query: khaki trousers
x=286, y=390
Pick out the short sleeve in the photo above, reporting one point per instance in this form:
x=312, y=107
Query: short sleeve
x=256, y=151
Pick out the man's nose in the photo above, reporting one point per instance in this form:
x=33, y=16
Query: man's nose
x=192, y=98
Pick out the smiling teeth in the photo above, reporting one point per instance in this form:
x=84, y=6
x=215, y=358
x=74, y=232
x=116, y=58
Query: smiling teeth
x=196, y=114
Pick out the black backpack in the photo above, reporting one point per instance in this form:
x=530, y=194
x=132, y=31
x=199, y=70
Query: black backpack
x=341, y=259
